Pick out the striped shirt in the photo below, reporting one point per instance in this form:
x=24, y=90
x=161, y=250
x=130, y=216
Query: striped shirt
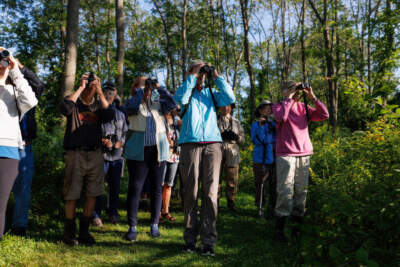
x=150, y=134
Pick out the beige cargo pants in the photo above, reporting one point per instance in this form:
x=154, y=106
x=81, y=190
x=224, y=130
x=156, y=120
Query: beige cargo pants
x=292, y=182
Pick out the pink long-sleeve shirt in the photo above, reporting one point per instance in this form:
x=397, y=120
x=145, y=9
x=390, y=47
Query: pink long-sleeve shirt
x=292, y=137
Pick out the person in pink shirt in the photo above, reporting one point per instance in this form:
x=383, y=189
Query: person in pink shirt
x=293, y=151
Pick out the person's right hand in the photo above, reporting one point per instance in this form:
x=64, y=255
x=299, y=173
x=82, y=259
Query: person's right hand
x=84, y=80
x=107, y=143
x=196, y=69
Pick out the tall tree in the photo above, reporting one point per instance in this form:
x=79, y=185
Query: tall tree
x=184, y=40
x=244, y=5
x=329, y=60
x=71, y=47
x=120, y=23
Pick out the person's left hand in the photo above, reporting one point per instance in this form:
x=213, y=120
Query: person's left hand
x=118, y=145
x=97, y=84
x=215, y=73
x=13, y=62
x=310, y=94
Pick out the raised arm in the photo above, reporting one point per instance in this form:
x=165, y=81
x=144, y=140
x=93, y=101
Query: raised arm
x=241, y=134
x=132, y=104
x=281, y=110
x=224, y=96
x=319, y=113
x=25, y=96
x=182, y=95
x=257, y=131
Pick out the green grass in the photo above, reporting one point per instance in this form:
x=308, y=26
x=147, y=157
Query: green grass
x=243, y=240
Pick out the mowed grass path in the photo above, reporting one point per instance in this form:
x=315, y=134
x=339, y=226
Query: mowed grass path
x=243, y=240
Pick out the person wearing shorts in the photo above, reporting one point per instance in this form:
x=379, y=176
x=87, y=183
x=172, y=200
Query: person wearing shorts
x=84, y=162
x=172, y=163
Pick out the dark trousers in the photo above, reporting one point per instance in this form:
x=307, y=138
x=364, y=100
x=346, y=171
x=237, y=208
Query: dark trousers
x=8, y=174
x=113, y=171
x=262, y=174
x=138, y=172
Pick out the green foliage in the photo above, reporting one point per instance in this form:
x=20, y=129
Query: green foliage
x=355, y=197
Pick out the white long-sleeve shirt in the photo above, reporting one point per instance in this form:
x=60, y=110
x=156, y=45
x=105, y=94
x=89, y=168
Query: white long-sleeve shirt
x=10, y=96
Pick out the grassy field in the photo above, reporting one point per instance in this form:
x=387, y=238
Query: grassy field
x=243, y=240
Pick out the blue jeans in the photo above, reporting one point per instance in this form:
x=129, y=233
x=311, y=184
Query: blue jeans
x=113, y=171
x=22, y=188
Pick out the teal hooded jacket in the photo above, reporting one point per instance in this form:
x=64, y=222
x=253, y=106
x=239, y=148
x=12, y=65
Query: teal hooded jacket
x=199, y=123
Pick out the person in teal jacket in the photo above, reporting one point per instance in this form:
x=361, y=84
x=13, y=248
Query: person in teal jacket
x=201, y=152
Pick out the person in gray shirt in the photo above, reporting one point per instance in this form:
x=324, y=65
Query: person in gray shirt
x=113, y=140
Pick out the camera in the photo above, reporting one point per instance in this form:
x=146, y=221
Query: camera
x=151, y=83
x=229, y=135
x=302, y=86
x=208, y=70
x=113, y=138
x=90, y=79
x=4, y=61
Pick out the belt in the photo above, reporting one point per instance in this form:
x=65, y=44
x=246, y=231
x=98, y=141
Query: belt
x=85, y=148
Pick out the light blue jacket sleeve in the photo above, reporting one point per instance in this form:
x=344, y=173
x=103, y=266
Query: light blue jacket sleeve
x=224, y=96
x=183, y=93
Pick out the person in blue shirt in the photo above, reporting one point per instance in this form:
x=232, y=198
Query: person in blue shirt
x=201, y=152
x=263, y=138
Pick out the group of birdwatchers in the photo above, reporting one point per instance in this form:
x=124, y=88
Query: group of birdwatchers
x=157, y=134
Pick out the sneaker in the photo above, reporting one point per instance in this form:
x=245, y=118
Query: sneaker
x=189, y=248
x=208, y=251
x=154, y=232
x=97, y=222
x=131, y=234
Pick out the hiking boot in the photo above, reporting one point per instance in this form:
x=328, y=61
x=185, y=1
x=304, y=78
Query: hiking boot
x=298, y=220
x=231, y=206
x=131, y=234
x=279, y=227
x=97, y=222
x=69, y=233
x=154, y=232
x=189, y=248
x=208, y=251
x=114, y=219
x=85, y=237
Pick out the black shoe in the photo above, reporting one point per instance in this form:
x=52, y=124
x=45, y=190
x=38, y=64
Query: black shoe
x=208, y=251
x=69, y=233
x=231, y=206
x=85, y=238
x=18, y=231
x=114, y=219
x=279, y=227
x=296, y=229
x=189, y=248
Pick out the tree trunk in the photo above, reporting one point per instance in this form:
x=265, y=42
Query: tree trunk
x=244, y=4
x=108, y=39
x=71, y=50
x=303, y=48
x=120, y=24
x=330, y=66
x=184, y=41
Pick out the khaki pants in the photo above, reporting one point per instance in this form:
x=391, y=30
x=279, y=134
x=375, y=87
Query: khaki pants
x=292, y=182
x=201, y=162
x=231, y=178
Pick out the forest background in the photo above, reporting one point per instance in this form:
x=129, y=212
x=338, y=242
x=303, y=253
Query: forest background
x=348, y=51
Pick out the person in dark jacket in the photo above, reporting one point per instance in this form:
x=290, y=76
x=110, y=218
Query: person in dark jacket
x=263, y=138
x=84, y=162
x=22, y=185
